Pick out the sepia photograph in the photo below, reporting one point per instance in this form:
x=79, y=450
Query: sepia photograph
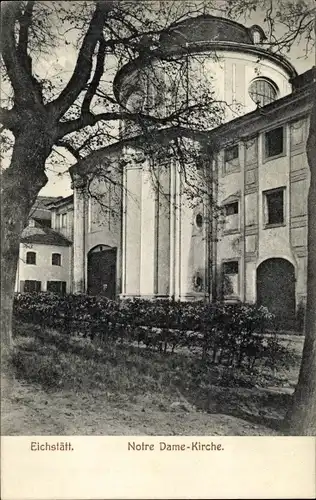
x=158, y=222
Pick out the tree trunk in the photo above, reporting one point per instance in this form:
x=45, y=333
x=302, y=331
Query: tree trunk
x=301, y=417
x=20, y=185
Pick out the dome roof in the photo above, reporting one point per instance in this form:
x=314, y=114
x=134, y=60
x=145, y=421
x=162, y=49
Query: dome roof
x=198, y=34
x=203, y=29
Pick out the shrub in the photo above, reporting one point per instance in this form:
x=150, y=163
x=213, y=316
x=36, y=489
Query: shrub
x=229, y=334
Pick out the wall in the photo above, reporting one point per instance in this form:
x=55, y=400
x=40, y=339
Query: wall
x=63, y=222
x=163, y=249
x=67, y=229
x=226, y=73
x=299, y=183
x=103, y=220
x=230, y=74
x=44, y=270
x=255, y=241
x=161, y=240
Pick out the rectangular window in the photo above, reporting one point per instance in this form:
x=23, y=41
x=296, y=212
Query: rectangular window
x=63, y=220
x=274, y=142
x=58, y=287
x=31, y=258
x=56, y=259
x=231, y=208
x=231, y=159
x=231, y=279
x=231, y=153
x=274, y=207
x=231, y=267
x=31, y=286
x=232, y=216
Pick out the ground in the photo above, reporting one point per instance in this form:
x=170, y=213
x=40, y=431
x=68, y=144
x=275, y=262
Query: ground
x=114, y=406
x=31, y=410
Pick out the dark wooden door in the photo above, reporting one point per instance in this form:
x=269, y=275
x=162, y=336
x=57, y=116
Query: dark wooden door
x=276, y=289
x=102, y=272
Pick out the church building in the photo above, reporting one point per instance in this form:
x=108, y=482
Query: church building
x=246, y=238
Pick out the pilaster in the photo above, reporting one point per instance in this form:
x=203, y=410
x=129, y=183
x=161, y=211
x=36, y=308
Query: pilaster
x=79, y=235
x=148, y=233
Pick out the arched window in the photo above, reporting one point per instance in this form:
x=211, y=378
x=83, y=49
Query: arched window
x=31, y=258
x=56, y=259
x=262, y=91
x=100, y=248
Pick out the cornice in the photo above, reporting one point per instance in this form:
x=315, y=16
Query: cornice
x=289, y=108
x=284, y=110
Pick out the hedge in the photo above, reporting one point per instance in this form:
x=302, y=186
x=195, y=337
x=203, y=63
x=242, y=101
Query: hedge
x=222, y=333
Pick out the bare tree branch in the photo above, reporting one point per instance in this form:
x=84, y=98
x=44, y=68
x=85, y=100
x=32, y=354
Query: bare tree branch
x=20, y=79
x=161, y=136
x=99, y=69
x=64, y=144
x=82, y=71
x=90, y=119
x=25, y=23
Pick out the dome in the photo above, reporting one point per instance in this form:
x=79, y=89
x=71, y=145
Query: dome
x=204, y=34
x=205, y=29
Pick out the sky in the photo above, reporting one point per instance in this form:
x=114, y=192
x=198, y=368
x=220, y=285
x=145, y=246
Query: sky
x=59, y=183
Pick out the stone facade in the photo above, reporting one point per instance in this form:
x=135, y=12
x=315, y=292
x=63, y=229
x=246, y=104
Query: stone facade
x=251, y=225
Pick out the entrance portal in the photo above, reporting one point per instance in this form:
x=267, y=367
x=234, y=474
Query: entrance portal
x=276, y=289
x=102, y=271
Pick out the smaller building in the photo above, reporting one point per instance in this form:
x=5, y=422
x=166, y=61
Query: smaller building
x=45, y=260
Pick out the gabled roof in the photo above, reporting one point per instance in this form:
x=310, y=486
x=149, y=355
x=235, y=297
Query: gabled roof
x=41, y=213
x=40, y=209
x=44, y=236
x=43, y=201
x=58, y=202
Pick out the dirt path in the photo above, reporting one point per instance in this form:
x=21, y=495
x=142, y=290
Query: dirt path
x=31, y=411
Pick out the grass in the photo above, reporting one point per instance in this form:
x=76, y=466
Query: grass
x=55, y=375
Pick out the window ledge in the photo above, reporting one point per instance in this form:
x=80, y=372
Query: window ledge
x=231, y=298
x=231, y=231
x=272, y=226
x=232, y=171
x=94, y=231
x=266, y=159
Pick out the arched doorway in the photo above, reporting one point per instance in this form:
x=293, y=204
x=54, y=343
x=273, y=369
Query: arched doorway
x=102, y=271
x=276, y=289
